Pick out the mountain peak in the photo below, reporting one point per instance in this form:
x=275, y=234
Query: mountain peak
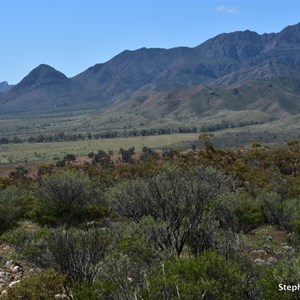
x=44, y=66
x=233, y=47
x=290, y=34
x=42, y=75
x=292, y=28
x=44, y=70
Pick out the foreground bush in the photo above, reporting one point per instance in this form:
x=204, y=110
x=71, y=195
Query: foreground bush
x=208, y=276
x=68, y=198
x=76, y=253
x=174, y=203
x=28, y=244
x=238, y=212
x=282, y=213
x=38, y=286
x=11, y=208
x=125, y=266
x=285, y=272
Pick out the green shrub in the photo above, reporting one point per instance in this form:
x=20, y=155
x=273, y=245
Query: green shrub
x=37, y=286
x=12, y=207
x=77, y=253
x=281, y=213
x=87, y=291
x=296, y=226
x=238, y=212
x=208, y=276
x=68, y=198
x=249, y=214
x=28, y=244
x=285, y=272
x=174, y=203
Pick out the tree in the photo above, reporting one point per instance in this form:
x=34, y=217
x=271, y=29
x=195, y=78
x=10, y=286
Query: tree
x=126, y=155
x=70, y=158
x=205, y=138
x=102, y=158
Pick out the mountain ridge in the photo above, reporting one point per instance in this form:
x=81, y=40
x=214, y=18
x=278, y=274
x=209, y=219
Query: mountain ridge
x=224, y=60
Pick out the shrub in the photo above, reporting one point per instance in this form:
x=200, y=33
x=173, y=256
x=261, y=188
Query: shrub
x=282, y=213
x=40, y=285
x=284, y=272
x=87, y=291
x=91, y=154
x=175, y=203
x=208, y=276
x=68, y=198
x=77, y=253
x=238, y=212
x=125, y=267
x=12, y=208
x=28, y=244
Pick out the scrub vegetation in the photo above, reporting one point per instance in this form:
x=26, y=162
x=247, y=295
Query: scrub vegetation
x=196, y=223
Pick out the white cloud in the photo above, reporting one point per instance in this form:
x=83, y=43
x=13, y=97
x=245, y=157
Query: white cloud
x=227, y=9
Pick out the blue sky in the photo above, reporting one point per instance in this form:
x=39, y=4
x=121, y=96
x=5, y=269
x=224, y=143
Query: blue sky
x=74, y=35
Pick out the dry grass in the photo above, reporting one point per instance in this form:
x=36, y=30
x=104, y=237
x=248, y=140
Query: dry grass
x=32, y=152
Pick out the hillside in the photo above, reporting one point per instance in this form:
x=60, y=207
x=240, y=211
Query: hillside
x=275, y=97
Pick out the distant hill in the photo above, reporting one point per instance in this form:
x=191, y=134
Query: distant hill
x=4, y=86
x=224, y=61
x=43, y=89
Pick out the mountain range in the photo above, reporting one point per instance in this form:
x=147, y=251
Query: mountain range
x=243, y=68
